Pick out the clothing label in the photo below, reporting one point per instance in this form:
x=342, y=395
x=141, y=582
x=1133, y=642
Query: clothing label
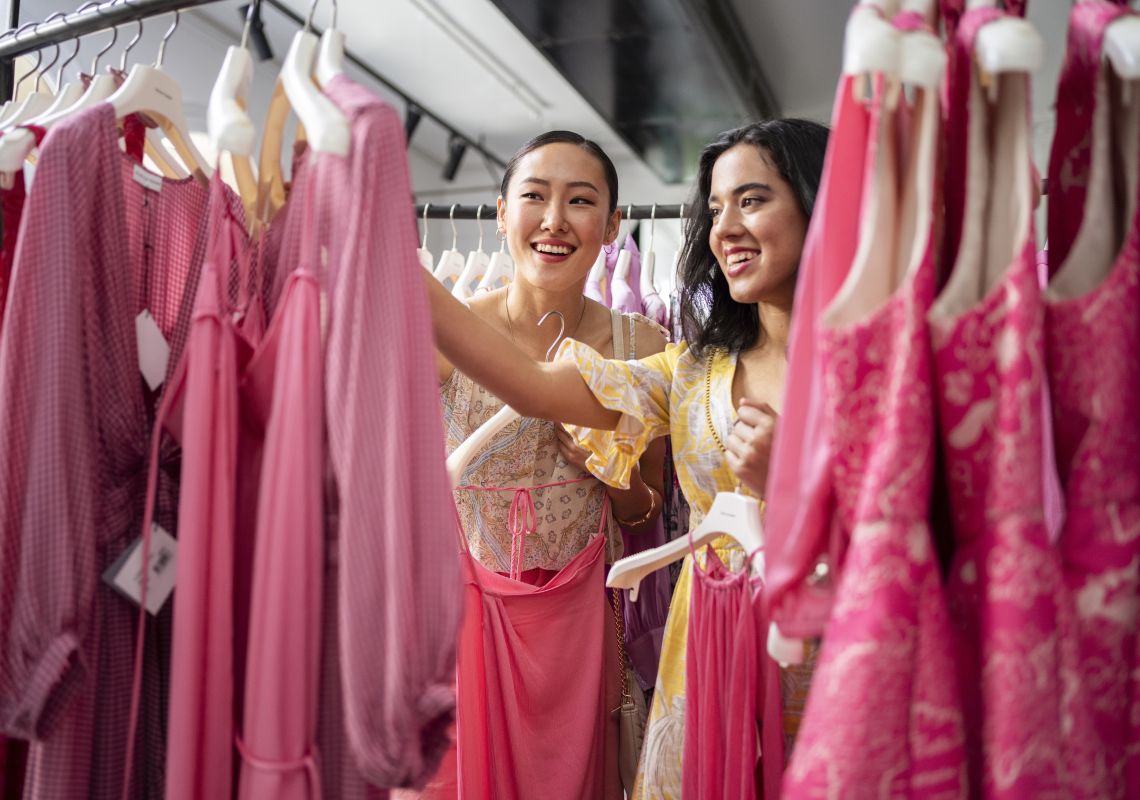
x=147, y=179
x=154, y=352
x=425, y=258
x=125, y=575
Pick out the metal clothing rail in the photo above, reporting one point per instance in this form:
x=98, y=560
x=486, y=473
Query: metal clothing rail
x=456, y=211
x=119, y=12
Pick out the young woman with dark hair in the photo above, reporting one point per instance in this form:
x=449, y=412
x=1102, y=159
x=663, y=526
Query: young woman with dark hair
x=717, y=394
x=527, y=506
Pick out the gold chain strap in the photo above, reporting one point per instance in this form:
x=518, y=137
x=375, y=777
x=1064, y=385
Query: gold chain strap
x=619, y=626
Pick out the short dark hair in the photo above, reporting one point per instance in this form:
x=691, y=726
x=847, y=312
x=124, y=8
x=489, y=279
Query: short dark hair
x=564, y=137
x=710, y=317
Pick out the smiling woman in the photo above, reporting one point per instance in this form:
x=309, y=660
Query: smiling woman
x=531, y=514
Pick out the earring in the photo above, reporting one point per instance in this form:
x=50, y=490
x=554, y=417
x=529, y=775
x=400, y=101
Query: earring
x=501, y=233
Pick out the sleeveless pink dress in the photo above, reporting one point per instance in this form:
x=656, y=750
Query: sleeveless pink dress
x=1028, y=729
x=884, y=715
x=1092, y=342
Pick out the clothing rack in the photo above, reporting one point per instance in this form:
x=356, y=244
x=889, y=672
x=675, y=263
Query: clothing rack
x=457, y=211
x=113, y=13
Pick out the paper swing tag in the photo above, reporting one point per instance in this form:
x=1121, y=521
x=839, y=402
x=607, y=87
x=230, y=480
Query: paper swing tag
x=125, y=575
x=154, y=352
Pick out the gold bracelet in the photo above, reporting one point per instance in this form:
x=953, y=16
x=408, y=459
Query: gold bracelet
x=645, y=517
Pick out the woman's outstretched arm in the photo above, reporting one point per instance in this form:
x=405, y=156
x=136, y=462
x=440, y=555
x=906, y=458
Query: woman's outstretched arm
x=553, y=391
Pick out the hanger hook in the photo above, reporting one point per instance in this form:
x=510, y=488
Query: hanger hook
x=309, y=18
x=74, y=52
x=652, y=225
x=423, y=244
x=561, y=330
x=454, y=233
x=48, y=68
x=166, y=37
x=479, y=220
x=39, y=57
x=131, y=44
x=250, y=13
x=103, y=52
x=335, y=9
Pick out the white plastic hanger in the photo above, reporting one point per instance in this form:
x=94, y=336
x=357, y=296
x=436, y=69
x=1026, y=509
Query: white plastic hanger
x=625, y=258
x=451, y=262
x=231, y=129
x=326, y=128
x=462, y=456
x=422, y=252
x=37, y=101
x=1010, y=44
x=598, y=274
x=731, y=513
x=922, y=55
x=330, y=54
x=500, y=272
x=1122, y=46
x=152, y=91
x=476, y=266
x=648, y=258
x=870, y=41
x=68, y=93
x=99, y=89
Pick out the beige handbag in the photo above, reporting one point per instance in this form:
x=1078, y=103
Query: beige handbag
x=631, y=713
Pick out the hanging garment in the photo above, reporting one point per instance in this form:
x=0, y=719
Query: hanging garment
x=524, y=730
x=1028, y=727
x=885, y=711
x=96, y=249
x=1095, y=399
x=625, y=295
x=658, y=395
x=796, y=528
x=276, y=745
x=387, y=695
x=654, y=308
x=732, y=688
x=203, y=408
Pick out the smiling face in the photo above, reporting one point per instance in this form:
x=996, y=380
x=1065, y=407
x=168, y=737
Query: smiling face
x=556, y=215
x=757, y=227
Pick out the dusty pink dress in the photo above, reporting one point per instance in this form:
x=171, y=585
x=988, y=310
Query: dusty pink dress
x=1028, y=726
x=1093, y=342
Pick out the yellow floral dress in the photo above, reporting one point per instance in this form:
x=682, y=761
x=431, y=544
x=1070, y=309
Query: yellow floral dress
x=661, y=395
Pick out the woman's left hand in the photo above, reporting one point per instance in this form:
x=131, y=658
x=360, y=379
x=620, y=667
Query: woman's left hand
x=750, y=444
x=574, y=455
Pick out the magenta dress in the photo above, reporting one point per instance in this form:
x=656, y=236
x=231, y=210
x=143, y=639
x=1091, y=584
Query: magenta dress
x=884, y=715
x=1028, y=727
x=1093, y=342
x=732, y=689
x=796, y=528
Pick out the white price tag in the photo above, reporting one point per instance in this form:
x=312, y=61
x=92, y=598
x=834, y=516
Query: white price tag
x=125, y=575
x=154, y=351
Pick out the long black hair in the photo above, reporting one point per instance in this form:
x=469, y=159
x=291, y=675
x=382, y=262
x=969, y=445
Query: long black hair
x=564, y=137
x=710, y=317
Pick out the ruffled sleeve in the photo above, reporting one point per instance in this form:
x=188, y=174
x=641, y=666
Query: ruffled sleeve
x=639, y=389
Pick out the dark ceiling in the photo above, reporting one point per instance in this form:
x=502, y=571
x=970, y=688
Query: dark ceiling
x=667, y=75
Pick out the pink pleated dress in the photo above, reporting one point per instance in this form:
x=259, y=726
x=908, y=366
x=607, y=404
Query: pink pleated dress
x=732, y=689
x=1028, y=728
x=1093, y=340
